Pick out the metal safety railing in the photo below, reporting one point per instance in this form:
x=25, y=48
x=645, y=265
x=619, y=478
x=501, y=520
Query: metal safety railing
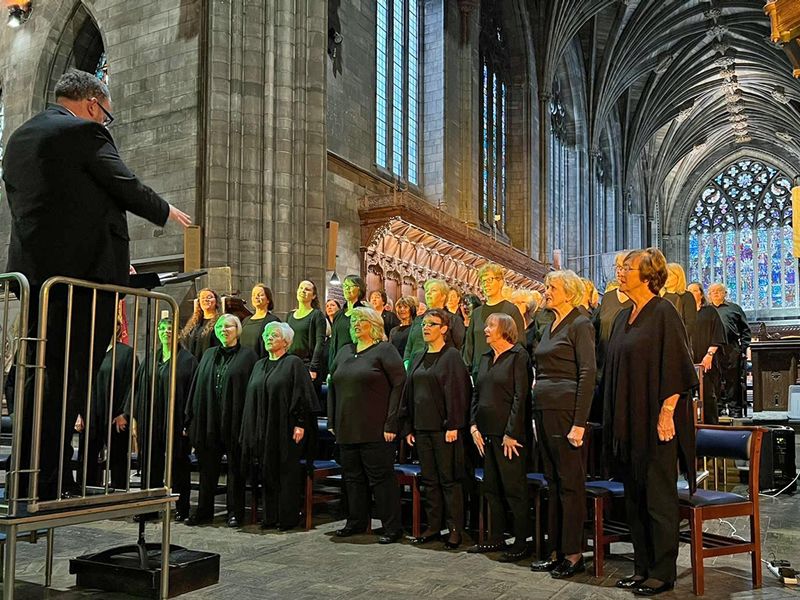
x=53, y=343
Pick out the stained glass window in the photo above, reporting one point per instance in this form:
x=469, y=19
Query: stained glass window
x=494, y=118
x=397, y=97
x=740, y=234
x=101, y=71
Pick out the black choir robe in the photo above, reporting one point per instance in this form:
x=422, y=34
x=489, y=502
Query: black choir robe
x=122, y=367
x=686, y=306
x=252, y=332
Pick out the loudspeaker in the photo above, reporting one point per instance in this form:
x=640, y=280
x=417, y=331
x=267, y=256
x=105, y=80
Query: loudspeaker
x=778, y=466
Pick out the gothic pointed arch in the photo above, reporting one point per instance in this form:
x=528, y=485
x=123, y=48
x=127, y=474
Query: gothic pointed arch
x=740, y=233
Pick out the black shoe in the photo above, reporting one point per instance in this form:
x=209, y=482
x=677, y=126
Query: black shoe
x=515, y=554
x=391, y=538
x=233, y=521
x=486, y=547
x=195, y=520
x=630, y=582
x=348, y=531
x=180, y=516
x=547, y=565
x=647, y=590
x=453, y=540
x=566, y=569
x=428, y=536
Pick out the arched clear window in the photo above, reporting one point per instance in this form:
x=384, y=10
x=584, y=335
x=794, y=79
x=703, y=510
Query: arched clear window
x=397, y=98
x=494, y=118
x=740, y=233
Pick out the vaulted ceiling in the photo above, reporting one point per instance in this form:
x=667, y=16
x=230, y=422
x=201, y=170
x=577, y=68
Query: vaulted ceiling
x=691, y=82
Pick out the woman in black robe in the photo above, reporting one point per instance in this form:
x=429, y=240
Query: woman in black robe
x=562, y=397
x=253, y=326
x=435, y=414
x=683, y=301
x=197, y=335
x=214, y=420
x=355, y=290
x=308, y=324
x=707, y=341
x=185, y=366
x=648, y=418
x=406, y=310
x=119, y=363
x=277, y=414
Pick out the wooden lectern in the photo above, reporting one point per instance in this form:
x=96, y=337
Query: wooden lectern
x=775, y=364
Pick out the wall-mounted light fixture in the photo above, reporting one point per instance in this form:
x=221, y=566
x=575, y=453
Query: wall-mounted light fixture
x=18, y=12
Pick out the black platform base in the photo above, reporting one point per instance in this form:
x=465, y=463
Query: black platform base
x=119, y=570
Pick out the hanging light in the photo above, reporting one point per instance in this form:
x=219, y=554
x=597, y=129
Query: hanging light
x=335, y=279
x=18, y=12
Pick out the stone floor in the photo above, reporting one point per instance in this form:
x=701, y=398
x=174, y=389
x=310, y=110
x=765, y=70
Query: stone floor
x=258, y=565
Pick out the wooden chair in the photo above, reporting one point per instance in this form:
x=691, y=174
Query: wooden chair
x=321, y=470
x=601, y=495
x=408, y=473
x=737, y=443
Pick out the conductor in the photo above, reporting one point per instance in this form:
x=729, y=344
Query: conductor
x=69, y=192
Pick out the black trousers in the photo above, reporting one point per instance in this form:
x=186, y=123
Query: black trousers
x=441, y=472
x=505, y=482
x=281, y=490
x=80, y=359
x=732, y=375
x=652, y=512
x=181, y=471
x=210, y=465
x=117, y=457
x=711, y=394
x=371, y=466
x=562, y=464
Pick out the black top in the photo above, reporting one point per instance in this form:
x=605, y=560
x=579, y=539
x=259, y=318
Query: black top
x=121, y=366
x=565, y=368
x=309, y=338
x=69, y=192
x=200, y=338
x=737, y=331
x=475, y=340
x=501, y=392
x=340, y=333
x=214, y=411
x=708, y=331
x=604, y=319
x=416, y=344
x=437, y=392
x=686, y=306
x=542, y=319
x=279, y=398
x=399, y=337
x=252, y=332
x=647, y=362
x=185, y=370
x=390, y=321
x=364, y=393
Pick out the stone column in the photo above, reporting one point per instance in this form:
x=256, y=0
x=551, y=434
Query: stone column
x=263, y=127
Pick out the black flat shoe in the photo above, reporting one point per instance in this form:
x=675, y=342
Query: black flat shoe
x=628, y=583
x=566, y=569
x=233, y=522
x=195, y=520
x=513, y=555
x=390, y=538
x=647, y=590
x=453, y=541
x=426, y=537
x=179, y=516
x=547, y=565
x=486, y=547
x=348, y=531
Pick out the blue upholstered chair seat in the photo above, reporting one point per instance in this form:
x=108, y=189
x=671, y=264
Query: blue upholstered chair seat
x=409, y=470
x=605, y=487
x=537, y=479
x=710, y=498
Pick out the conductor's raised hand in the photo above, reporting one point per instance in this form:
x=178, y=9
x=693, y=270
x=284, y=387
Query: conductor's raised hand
x=179, y=217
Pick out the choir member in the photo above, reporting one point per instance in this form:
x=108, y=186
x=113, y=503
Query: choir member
x=435, y=412
x=453, y=302
x=436, y=292
x=675, y=292
x=526, y=303
x=707, y=341
x=253, y=326
x=308, y=324
x=158, y=395
x=468, y=304
x=737, y=340
x=406, y=310
x=378, y=300
x=562, y=397
x=648, y=378
x=492, y=279
x=277, y=414
x=332, y=307
x=498, y=430
x=591, y=298
x=354, y=289
x=366, y=384
x=214, y=419
x=197, y=335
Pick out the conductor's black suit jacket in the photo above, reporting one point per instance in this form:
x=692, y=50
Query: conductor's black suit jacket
x=68, y=191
